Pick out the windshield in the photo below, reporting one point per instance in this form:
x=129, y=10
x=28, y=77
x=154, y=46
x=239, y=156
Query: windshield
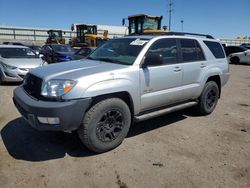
x=150, y=24
x=55, y=34
x=121, y=51
x=84, y=29
x=36, y=48
x=17, y=53
x=62, y=48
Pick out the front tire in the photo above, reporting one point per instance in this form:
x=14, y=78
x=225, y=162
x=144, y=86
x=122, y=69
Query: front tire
x=105, y=125
x=208, y=99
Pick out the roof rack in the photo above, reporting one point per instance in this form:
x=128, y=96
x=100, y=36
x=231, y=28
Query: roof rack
x=175, y=33
x=192, y=34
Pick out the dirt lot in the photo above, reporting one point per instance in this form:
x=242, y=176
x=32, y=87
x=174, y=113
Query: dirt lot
x=176, y=150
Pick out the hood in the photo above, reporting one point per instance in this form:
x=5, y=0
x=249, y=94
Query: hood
x=75, y=69
x=26, y=63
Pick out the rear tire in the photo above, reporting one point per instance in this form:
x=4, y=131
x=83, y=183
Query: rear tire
x=208, y=99
x=105, y=125
x=235, y=60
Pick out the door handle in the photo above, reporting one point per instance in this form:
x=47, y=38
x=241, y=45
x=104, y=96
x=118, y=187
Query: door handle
x=177, y=69
x=203, y=65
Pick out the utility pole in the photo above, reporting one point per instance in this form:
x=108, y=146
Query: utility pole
x=170, y=10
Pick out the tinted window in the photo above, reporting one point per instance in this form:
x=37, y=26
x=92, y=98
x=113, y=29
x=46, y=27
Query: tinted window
x=17, y=53
x=167, y=48
x=234, y=49
x=191, y=50
x=215, y=48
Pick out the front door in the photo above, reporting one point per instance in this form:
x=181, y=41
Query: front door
x=161, y=84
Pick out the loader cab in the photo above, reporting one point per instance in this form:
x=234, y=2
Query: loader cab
x=55, y=36
x=86, y=34
x=142, y=23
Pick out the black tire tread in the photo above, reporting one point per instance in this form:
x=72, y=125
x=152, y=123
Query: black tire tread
x=83, y=130
x=200, y=109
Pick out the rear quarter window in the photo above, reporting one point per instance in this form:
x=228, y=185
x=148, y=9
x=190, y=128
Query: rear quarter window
x=215, y=48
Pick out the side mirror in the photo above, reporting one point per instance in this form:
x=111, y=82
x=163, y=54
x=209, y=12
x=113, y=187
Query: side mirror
x=153, y=59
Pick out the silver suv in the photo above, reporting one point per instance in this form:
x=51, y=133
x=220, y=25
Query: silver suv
x=125, y=80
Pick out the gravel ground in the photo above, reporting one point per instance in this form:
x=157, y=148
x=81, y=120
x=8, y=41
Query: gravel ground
x=175, y=150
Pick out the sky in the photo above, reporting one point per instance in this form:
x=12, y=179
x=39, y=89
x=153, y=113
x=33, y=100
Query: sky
x=220, y=18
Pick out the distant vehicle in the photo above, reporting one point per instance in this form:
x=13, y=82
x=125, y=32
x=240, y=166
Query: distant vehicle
x=234, y=49
x=54, y=53
x=240, y=57
x=246, y=45
x=13, y=43
x=86, y=35
x=83, y=52
x=16, y=61
x=55, y=37
x=143, y=23
x=36, y=49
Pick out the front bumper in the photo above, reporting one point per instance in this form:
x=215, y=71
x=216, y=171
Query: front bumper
x=15, y=75
x=70, y=113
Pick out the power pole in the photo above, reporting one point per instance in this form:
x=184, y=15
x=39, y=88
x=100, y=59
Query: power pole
x=170, y=10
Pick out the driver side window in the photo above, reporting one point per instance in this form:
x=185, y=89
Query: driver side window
x=167, y=48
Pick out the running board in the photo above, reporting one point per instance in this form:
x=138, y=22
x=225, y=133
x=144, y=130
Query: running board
x=165, y=111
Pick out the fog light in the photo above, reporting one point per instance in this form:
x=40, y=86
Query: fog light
x=49, y=120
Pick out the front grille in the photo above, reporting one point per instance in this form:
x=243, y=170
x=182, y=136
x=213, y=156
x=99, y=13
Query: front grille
x=32, y=85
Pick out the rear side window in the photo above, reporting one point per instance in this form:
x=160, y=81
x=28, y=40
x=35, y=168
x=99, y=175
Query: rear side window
x=191, y=50
x=215, y=48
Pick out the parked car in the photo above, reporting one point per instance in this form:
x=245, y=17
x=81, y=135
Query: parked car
x=35, y=48
x=54, y=53
x=14, y=43
x=246, y=45
x=16, y=62
x=240, y=57
x=125, y=80
x=83, y=52
x=234, y=49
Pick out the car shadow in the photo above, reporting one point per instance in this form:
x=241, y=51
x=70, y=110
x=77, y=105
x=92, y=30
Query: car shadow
x=11, y=83
x=156, y=123
x=26, y=143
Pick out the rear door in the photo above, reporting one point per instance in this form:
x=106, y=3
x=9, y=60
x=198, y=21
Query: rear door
x=161, y=84
x=193, y=63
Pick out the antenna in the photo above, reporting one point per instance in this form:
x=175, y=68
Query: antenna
x=170, y=10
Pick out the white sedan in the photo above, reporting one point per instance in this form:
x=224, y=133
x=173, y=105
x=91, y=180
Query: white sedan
x=16, y=61
x=240, y=57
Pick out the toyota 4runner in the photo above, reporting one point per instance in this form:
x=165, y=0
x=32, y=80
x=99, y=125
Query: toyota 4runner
x=125, y=80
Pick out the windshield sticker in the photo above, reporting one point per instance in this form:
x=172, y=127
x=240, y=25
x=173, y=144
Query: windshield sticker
x=138, y=42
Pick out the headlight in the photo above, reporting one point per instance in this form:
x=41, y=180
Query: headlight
x=57, y=88
x=8, y=66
